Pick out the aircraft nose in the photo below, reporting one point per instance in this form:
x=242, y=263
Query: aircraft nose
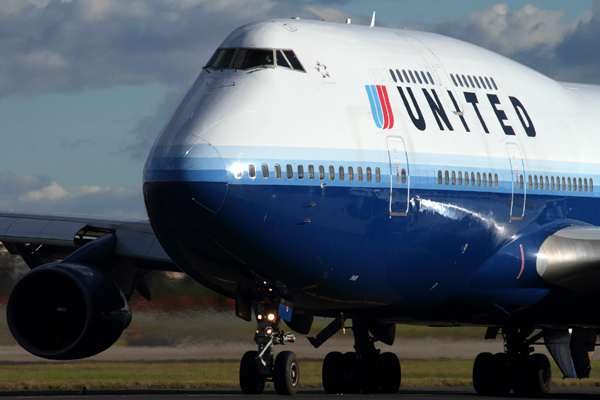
x=188, y=171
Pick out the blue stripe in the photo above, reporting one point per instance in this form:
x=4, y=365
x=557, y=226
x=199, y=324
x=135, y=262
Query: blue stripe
x=375, y=105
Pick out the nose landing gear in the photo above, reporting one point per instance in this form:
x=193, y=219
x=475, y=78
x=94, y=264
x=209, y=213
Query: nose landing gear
x=258, y=367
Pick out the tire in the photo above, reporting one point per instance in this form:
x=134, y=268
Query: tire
x=483, y=373
x=393, y=375
x=286, y=373
x=351, y=380
x=333, y=372
x=501, y=374
x=540, y=374
x=251, y=382
x=374, y=375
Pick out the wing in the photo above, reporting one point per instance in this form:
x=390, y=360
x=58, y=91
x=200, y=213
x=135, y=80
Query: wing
x=40, y=239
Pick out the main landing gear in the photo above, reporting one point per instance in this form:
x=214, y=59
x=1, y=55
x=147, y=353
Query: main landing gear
x=366, y=369
x=258, y=367
x=516, y=369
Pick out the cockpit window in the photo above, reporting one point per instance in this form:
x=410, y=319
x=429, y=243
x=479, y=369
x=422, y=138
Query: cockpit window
x=221, y=59
x=252, y=58
x=281, y=61
x=293, y=60
x=242, y=59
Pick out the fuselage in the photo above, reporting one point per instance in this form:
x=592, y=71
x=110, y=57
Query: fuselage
x=377, y=172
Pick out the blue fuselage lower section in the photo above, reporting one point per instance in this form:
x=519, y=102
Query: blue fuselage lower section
x=456, y=257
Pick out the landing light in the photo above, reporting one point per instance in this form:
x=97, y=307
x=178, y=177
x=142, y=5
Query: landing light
x=271, y=317
x=259, y=317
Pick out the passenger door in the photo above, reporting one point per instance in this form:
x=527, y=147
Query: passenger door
x=399, y=177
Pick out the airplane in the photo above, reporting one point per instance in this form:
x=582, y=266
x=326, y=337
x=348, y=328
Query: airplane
x=373, y=176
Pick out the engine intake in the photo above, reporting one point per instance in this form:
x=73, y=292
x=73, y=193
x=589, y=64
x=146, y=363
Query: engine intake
x=63, y=311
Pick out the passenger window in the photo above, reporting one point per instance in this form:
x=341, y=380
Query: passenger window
x=281, y=61
x=494, y=83
x=478, y=179
x=453, y=80
x=591, y=185
x=331, y=173
x=446, y=178
x=472, y=179
x=482, y=82
x=521, y=185
x=465, y=80
x=291, y=56
x=569, y=183
x=430, y=78
x=490, y=179
x=221, y=58
x=264, y=168
x=360, y=173
x=350, y=174
x=418, y=77
x=552, y=182
x=453, y=178
x=378, y=175
x=251, y=171
x=558, y=183
x=406, y=76
x=341, y=173
x=277, y=171
x=252, y=58
x=459, y=81
x=311, y=172
x=412, y=77
x=564, y=187
x=466, y=178
x=369, y=174
x=484, y=179
x=585, y=186
x=547, y=183
x=439, y=177
x=300, y=172
x=495, y=180
x=476, y=82
x=399, y=76
x=488, y=83
x=459, y=178
x=471, y=82
x=424, y=78
x=289, y=170
x=403, y=175
x=393, y=76
x=530, y=182
x=321, y=173
x=535, y=182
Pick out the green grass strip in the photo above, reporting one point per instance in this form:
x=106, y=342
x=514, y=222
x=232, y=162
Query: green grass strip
x=205, y=375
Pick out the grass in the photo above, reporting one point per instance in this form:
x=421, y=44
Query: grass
x=203, y=375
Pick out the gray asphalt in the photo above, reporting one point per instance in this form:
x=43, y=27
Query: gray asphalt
x=441, y=393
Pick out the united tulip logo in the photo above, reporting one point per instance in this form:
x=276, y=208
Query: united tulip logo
x=380, y=106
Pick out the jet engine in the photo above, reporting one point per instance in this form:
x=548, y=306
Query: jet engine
x=66, y=311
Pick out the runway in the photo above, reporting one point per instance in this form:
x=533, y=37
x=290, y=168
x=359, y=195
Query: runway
x=441, y=393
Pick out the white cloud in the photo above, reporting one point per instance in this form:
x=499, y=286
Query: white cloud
x=541, y=39
x=24, y=193
x=51, y=192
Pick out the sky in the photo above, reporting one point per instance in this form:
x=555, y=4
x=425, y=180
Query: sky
x=86, y=86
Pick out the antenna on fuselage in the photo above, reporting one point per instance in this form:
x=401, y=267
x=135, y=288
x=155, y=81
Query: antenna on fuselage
x=372, y=20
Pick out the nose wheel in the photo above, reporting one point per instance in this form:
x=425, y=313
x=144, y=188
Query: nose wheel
x=259, y=367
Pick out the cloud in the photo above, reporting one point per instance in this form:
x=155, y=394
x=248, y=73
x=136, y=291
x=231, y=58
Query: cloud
x=541, y=39
x=23, y=193
x=55, y=45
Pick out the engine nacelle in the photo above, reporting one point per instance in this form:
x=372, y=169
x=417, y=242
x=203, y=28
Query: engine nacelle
x=63, y=311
